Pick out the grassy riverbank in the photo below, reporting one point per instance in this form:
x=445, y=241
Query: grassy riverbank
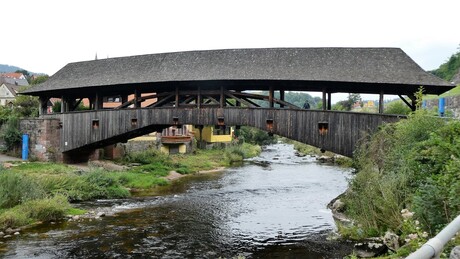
x=408, y=181
x=32, y=192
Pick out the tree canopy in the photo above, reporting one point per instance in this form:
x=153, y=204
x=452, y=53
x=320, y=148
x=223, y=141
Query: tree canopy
x=450, y=68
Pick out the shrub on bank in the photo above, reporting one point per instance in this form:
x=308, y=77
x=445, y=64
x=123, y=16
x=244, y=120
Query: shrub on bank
x=411, y=164
x=237, y=153
x=48, y=209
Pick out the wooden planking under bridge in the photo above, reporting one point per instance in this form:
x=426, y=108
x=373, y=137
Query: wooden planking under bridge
x=334, y=131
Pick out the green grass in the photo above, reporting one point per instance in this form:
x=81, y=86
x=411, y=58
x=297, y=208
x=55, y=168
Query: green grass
x=138, y=180
x=42, y=168
x=75, y=211
x=200, y=160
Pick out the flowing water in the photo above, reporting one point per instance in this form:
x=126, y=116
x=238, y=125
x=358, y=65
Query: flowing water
x=273, y=206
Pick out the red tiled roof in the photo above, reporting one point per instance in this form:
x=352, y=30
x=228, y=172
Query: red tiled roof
x=12, y=75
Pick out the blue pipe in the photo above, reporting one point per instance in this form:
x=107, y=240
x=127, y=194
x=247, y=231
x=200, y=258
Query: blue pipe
x=442, y=104
x=25, y=147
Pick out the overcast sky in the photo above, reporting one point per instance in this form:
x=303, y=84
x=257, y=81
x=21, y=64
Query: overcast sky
x=43, y=36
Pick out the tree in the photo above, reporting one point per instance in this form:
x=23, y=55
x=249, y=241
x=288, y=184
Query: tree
x=347, y=105
x=397, y=107
x=26, y=106
x=39, y=79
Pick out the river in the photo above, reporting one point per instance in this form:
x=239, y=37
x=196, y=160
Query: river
x=272, y=206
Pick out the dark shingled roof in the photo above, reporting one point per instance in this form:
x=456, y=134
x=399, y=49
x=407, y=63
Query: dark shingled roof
x=310, y=68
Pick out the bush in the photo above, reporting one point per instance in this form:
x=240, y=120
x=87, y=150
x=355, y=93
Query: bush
x=397, y=107
x=46, y=209
x=10, y=133
x=402, y=165
x=150, y=156
x=237, y=153
x=255, y=136
x=95, y=185
x=35, y=210
x=17, y=188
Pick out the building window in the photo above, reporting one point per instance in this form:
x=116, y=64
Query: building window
x=221, y=130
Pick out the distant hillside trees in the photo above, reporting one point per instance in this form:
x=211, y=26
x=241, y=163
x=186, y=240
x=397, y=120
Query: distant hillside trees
x=449, y=69
x=296, y=98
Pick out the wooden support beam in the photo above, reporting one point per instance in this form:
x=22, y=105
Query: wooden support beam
x=271, y=93
x=76, y=104
x=381, y=102
x=413, y=98
x=125, y=104
x=198, y=98
x=228, y=103
x=282, y=98
x=411, y=106
x=162, y=101
x=222, y=97
x=329, y=101
x=137, y=97
x=212, y=99
x=176, y=101
x=124, y=98
x=262, y=97
x=188, y=100
x=324, y=100
x=43, y=105
x=240, y=100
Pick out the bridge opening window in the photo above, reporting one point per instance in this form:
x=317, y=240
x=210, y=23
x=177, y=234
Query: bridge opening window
x=270, y=125
x=323, y=127
x=133, y=123
x=112, y=99
x=95, y=124
x=220, y=121
x=175, y=120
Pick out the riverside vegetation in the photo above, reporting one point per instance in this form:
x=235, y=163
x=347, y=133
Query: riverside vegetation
x=407, y=182
x=34, y=192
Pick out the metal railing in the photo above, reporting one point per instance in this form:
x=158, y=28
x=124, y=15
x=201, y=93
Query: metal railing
x=434, y=246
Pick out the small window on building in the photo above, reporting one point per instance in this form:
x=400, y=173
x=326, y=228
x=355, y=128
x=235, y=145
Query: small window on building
x=221, y=130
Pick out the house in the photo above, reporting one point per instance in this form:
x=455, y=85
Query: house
x=176, y=140
x=14, y=79
x=209, y=135
x=8, y=93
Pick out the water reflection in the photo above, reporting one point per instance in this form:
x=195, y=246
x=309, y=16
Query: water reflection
x=274, y=206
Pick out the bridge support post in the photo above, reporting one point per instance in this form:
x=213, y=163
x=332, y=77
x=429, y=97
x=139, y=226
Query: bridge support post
x=282, y=98
x=381, y=103
x=325, y=102
x=137, y=96
x=43, y=105
x=198, y=98
x=271, y=92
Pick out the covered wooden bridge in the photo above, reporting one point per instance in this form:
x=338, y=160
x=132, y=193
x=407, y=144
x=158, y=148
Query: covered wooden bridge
x=217, y=88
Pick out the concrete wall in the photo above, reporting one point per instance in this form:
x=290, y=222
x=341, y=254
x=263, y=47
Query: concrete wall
x=44, y=138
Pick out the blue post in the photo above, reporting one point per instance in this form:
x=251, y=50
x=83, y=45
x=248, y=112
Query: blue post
x=442, y=104
x=25, y=147
x=424, y=104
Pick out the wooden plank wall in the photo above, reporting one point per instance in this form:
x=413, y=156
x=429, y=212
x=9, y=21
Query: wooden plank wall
x=80, y=129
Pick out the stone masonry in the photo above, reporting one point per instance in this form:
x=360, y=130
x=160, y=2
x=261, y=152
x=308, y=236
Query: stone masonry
x=44, y=138
x=452, y=105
